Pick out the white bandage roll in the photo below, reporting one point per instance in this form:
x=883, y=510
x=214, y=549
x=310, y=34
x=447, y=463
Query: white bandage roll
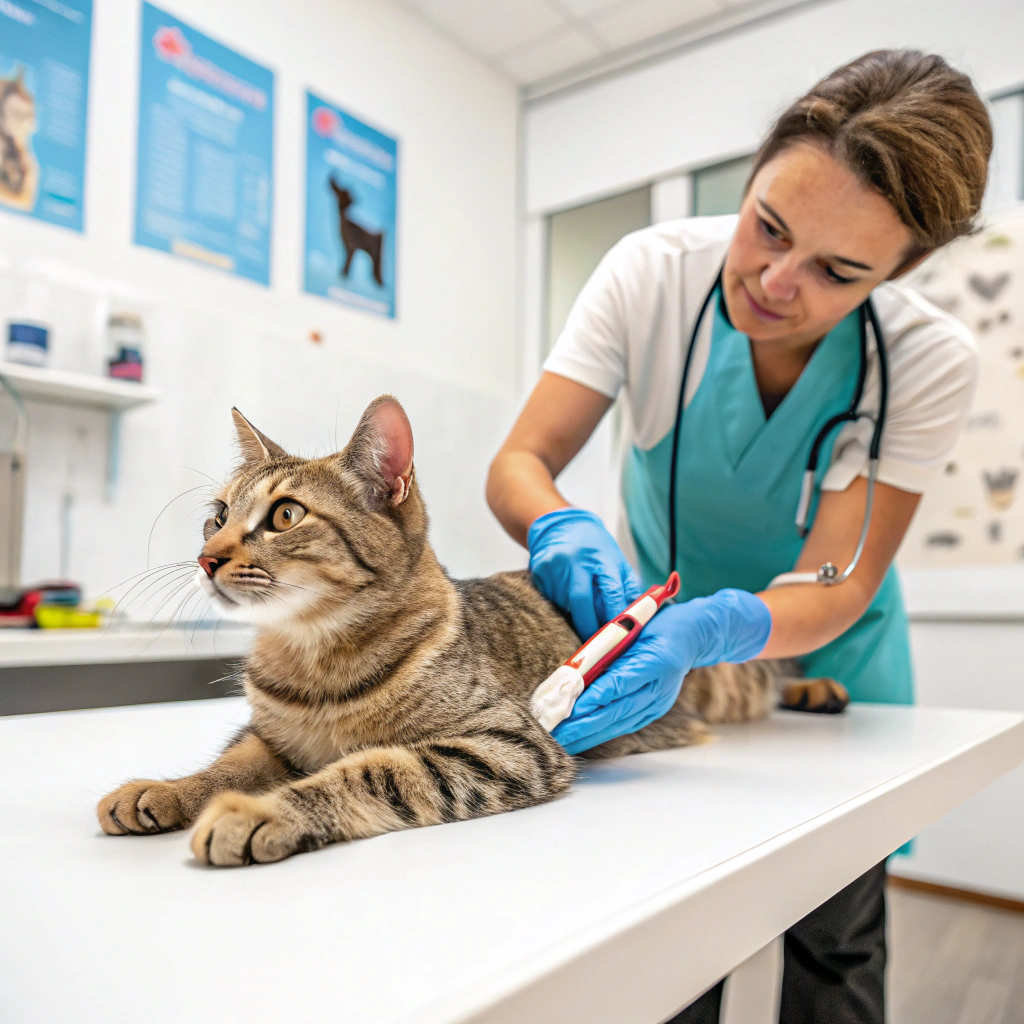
x=553, y=700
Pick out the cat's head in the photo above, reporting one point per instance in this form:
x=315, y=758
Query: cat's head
x=292, y=540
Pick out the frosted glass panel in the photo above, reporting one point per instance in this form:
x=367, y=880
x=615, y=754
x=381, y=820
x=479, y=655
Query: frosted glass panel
x=719, y=188
x=578, y=238
x=1006, y=171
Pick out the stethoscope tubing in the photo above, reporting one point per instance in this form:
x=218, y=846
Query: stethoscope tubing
x=828, y=574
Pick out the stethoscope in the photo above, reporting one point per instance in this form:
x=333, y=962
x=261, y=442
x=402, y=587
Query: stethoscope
x=829, y=573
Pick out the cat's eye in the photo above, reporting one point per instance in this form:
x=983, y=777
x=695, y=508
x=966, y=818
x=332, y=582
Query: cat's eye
x=285, y=514
x=221, y=517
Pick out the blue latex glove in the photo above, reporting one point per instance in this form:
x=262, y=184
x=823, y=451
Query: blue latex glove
x=577, y=565
x=644, y=683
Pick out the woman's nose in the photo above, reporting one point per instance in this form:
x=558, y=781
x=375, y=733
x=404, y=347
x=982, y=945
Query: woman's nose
x=779, y=281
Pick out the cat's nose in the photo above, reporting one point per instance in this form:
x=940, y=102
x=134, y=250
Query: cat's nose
x=211, y=565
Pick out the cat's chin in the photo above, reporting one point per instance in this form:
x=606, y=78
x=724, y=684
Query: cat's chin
x=239, y=608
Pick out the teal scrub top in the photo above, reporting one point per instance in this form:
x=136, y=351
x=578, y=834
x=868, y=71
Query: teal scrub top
x=738, y=483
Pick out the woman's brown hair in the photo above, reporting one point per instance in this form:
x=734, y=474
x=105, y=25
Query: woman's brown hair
x=909, y=126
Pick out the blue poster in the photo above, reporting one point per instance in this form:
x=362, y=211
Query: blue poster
x=44, y=86
x=205, y=177
x=351, y=204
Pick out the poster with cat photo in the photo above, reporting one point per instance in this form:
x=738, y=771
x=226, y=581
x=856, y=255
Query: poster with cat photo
x=351, y=209
x=204, y=189
x=44, y=86
x=973, y=513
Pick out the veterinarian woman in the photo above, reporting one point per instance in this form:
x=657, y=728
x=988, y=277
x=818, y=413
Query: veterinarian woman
x=776, y=319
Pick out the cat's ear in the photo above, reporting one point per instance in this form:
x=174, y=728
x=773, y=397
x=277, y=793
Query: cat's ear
x=380, y=452
x=255, y=447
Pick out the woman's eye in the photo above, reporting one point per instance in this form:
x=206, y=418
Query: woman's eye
x=838, y=278
x=286, y=514
x=770, y=229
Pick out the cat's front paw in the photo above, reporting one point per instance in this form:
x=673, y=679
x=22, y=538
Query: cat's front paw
x=820, y=696
x=236, y=829
x=142, y=808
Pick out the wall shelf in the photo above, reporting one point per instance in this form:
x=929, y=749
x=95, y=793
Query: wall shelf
x=85, y=390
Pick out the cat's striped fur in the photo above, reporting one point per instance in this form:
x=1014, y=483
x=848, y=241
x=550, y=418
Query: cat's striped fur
x=384, y=694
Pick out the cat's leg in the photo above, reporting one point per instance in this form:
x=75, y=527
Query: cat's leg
x=722, y=694
x=147, y=807
x=819, y=696
x=739, y=693
x=385, y=789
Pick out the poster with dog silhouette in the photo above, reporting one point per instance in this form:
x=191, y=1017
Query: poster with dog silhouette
x=44, y=85
x=351, y=203
x=973, y=512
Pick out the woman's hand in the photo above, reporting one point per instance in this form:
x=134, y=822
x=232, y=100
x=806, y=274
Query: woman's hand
x=578, y=566
x=643, y=684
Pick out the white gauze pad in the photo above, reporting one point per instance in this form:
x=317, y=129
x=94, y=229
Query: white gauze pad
x=553, y=700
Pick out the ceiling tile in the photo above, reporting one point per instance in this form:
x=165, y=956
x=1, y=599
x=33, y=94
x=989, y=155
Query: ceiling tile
x=632, y=22
x=585, y=8
x=549, y=56
x=490, y=27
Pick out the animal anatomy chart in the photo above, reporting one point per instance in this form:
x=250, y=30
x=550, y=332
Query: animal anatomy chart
x=973, y=513
x=44, y=83
x=206, y=117
x=351, y=199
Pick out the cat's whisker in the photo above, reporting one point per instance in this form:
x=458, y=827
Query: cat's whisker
x=294, y=586
x=133, y=637
x=152, y=529
x=170, y=621
x=163, y=596
x=200, y=619
x=191, y=469
x=159, y=577
x=159, y=581
x=146, y=572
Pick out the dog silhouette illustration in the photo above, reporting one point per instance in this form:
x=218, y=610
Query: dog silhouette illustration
x=354, y=236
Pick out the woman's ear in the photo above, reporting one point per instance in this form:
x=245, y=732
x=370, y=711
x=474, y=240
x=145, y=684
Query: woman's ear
x=254, y=446
x=380, y=452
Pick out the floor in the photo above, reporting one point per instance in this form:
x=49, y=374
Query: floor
x=953, y=962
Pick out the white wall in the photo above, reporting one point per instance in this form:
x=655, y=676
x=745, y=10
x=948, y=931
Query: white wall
x=980, y=845
x=214, y=340
x=714, y=101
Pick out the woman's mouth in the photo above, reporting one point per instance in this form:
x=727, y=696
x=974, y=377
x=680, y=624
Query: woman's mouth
x=758, y=310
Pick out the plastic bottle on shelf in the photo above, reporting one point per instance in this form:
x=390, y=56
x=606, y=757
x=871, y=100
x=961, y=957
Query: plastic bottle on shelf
x=28, y=329
x=28, y=342
x=124, y=341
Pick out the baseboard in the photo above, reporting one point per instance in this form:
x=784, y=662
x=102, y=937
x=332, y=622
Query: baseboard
x=951, y=893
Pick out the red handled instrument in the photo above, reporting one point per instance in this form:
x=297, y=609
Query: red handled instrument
x=617, y=636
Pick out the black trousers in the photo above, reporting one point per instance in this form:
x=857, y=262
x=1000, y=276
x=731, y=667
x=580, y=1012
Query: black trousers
x=834, y=962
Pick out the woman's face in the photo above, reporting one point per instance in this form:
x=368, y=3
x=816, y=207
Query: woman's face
x=811, y=243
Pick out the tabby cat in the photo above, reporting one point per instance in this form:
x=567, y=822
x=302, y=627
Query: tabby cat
x=384, y=694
